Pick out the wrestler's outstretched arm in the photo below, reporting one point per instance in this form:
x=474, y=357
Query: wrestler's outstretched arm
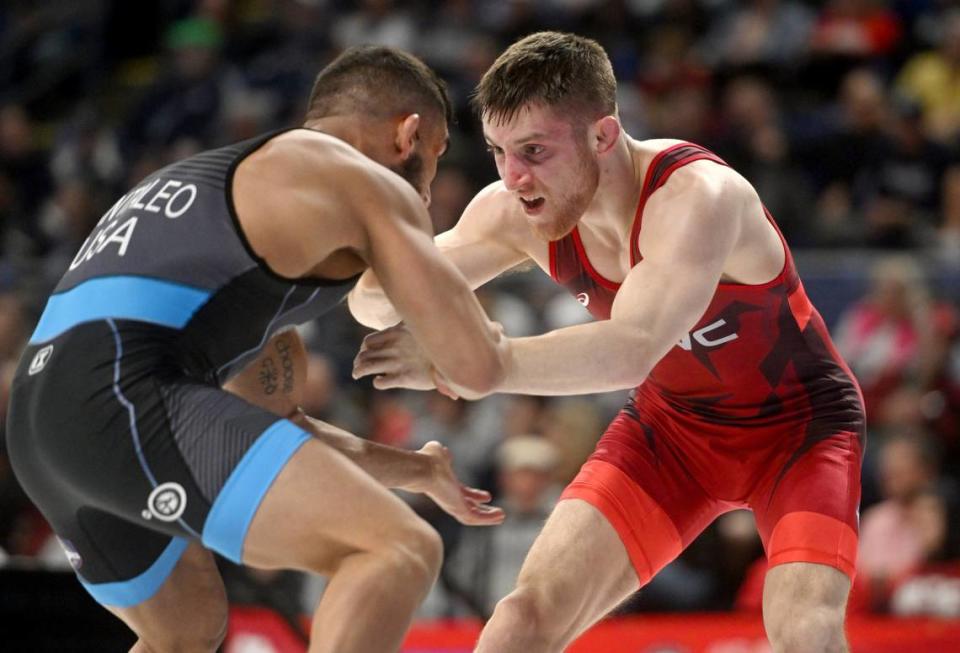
x=690, y=227
x=312, y=199
x=482, y=245
x=427, y=471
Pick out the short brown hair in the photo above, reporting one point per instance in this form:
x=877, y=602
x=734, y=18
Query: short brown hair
x=377, y=81
x=559, y=70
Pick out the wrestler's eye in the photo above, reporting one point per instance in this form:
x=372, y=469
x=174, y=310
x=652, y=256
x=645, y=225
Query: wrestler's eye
x=532, y=150
x=495, y=150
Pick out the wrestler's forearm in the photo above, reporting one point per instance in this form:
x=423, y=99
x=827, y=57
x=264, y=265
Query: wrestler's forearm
x=583, y=359
x=390, y=466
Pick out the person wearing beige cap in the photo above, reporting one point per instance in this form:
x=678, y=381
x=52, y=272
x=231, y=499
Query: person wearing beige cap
x=487, y=562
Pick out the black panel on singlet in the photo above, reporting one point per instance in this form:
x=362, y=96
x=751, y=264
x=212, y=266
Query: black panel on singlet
x=171, y=253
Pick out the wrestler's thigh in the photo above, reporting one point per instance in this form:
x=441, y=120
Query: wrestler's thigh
x=578, y=569
x=322, y=507
x=188, y=612
x=807, y=508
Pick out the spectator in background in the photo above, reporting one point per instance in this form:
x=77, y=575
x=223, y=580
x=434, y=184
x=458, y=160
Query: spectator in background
x=449, y=195
x=86, y=146
x=676, y=85
x=754, y=142
x=485, y=565
x=23, y=166
x=463, y=427
x=769, y=33
x=835, y=157
x=377, y=22
x=277, y=49
x=909, y=526
x=186, y=102
x=933, y=79
x=849, y=34
x=856, y=28
x=66, y=220
x=907, y=182
x=572, y=425
x=890, y=336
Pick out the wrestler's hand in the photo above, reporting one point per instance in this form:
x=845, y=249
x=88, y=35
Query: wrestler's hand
x=395, y=360
x=466, y=504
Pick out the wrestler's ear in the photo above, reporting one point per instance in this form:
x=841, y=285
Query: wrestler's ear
x=606, y=132
x=407, y=134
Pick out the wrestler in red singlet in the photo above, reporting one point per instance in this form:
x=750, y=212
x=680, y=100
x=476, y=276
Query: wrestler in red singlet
x=753, y=409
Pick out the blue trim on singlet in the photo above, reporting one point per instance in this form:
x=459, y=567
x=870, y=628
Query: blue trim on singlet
x=125, y=593
x=123, y=298
x=229, y=518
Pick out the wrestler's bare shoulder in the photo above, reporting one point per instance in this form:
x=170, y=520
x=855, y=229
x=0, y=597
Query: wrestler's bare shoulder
x=496, y=212
x=302, y=153
x=653, y=146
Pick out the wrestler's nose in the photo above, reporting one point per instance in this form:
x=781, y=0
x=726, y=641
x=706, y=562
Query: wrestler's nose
x=515, y=173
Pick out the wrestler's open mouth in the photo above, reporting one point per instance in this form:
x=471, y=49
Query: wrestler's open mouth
x=532, y=204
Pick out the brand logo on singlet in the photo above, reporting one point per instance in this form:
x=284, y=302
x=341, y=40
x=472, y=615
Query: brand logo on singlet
x=40, y=360
x=167, y=502
x=707, y=336
x=583, y=298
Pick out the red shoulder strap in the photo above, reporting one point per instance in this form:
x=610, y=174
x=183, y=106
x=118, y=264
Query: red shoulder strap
x=660, y=169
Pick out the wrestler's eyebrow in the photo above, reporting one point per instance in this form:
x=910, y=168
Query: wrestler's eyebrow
x=526, y=138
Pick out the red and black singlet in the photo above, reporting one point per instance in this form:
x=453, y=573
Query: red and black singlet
x=760, y=356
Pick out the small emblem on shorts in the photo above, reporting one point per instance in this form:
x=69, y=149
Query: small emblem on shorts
x=40, y=360
x=167, y=502
x=73, y=557
x=583, y=298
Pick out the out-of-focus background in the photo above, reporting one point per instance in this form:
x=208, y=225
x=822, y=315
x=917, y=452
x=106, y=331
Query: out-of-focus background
x=844, y=114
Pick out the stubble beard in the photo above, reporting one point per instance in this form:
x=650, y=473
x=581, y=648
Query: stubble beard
x=570, y=207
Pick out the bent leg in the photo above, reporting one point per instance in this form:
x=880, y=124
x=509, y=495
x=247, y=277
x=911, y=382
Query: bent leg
x=803, y=608
x=187, y=614
x=576, y=572
x=324, y=514
x=807, y=518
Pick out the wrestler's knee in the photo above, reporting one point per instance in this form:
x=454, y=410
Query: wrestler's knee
x=198, y=632
x=531, y=617
x=417, y=549
x=807, y=629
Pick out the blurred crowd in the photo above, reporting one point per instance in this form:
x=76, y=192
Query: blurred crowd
x=845, y=115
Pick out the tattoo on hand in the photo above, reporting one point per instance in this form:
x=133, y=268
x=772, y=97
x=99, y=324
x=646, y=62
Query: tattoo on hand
x=286, y=363
x=268, y=376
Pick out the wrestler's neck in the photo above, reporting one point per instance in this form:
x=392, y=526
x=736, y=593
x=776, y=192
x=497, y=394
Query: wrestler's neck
x=614, y=204
x=363, y=135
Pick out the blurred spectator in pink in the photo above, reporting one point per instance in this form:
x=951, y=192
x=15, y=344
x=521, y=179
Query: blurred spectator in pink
x=889, y=338
x=909, y=526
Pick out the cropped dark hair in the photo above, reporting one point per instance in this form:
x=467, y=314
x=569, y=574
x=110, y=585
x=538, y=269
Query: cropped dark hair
x=377, y=81
x=562, y=71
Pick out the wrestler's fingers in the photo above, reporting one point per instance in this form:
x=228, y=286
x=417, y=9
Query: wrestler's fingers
x=484, y=515
x=376, y=366
x=475, y=494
